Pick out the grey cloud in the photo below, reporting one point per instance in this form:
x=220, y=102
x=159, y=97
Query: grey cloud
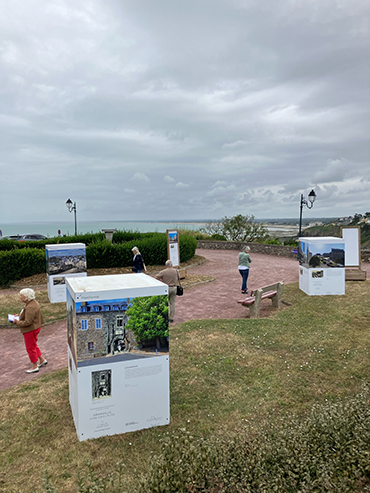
x=243, y=105
x=169, y=179
x=140, y=177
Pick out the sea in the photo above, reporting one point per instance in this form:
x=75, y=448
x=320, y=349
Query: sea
x=51, y=229
x=67, y=228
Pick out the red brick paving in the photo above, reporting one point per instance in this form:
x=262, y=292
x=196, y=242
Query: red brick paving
x=216, y=299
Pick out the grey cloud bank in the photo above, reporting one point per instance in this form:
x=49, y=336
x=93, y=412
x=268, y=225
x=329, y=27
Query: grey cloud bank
x=198, y=109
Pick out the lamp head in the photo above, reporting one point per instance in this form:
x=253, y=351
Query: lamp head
x=312, y=197
x=69, y=204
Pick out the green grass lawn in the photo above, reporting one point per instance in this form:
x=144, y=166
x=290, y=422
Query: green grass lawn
x=226, y=375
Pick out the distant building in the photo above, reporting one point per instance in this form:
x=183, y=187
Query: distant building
x=345, y=220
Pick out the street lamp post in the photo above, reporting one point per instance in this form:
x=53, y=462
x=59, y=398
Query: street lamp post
x=72, y=207
x=309, y=204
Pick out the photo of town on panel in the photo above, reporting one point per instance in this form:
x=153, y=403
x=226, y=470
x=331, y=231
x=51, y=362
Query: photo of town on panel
x=106, y=328
x=323, y=255
x=66, y=261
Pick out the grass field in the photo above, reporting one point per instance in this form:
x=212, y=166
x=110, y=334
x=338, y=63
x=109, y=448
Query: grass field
x=226, y=375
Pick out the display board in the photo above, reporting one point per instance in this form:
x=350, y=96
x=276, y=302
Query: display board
x=173, y=247
x=119, y=379
x=63, y=260
x=321, y=265
x=352, y=241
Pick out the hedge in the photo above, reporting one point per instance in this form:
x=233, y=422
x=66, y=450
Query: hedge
x=25, y=261
x=87, y=239
x=17, y=264
x=153, y=250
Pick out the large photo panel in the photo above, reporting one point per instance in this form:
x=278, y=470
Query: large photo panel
x=118, y=340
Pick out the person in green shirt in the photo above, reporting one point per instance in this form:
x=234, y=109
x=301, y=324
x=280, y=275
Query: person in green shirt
x=244, y=262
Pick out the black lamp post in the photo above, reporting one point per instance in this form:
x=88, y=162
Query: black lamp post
x=309, y=204
x=72, y=207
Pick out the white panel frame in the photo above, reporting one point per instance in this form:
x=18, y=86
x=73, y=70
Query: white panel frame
x=352, y=240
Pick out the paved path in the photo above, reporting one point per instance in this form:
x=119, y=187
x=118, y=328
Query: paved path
x=216, y=299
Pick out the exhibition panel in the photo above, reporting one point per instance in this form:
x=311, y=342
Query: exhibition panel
x=118, y=353
x=66, y=260
x=321, y=265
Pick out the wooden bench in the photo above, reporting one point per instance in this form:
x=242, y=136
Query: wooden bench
x=253, y=302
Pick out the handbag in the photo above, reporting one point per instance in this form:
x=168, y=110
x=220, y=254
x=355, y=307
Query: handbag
x=179, y=289
x=134, y=269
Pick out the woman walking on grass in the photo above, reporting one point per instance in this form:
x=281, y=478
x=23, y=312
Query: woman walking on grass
x=30, y=321
x=244, y=262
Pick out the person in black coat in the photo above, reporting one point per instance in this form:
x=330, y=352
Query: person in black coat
x=138, y=262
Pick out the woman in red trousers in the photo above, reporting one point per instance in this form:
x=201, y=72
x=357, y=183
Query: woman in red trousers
x=30, y=321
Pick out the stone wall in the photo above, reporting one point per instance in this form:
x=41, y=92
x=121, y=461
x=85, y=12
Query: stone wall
x=279, y=250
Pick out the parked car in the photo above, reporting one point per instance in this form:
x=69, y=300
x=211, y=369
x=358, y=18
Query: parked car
x=13, y=237
x=26, y=237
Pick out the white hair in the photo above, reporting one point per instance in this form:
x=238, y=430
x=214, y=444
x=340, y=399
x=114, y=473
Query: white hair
x=135, y=250
x=28, y=293
x=168, y=263
x=247, y=249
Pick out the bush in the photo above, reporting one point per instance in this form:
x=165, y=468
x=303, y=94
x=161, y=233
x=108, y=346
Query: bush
x=218, y=237
x=188, y=245
x=326, y=451
x=291, y=242
x=105, y=254
x=19, y=263
x=24, y=261
x=238, y=228
x=87, y=239
x=273, y=241
x=202, y=236
x=148, y=318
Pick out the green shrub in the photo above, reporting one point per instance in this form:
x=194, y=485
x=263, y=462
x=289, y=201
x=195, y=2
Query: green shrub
x=329, y=450
x=6, y=245
x=291, y=242
x=202, y=236
x=105, y=254
x=273, y=241
x=123, y=236
x=153, y=248
x=83, y=238
x=218, y=237
x=148, y=318
x=86, y=238
x=19, y=263
x=23, y=261
x=188, y=245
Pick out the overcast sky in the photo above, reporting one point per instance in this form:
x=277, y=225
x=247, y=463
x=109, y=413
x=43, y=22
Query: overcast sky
x=168, y=109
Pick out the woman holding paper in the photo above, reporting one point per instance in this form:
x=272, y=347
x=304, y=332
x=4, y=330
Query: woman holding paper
x=30, y=321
